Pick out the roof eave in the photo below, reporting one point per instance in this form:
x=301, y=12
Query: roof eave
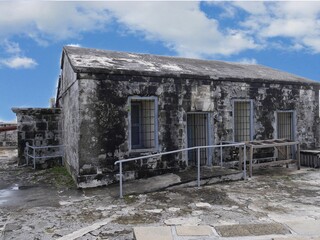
x=102, y=73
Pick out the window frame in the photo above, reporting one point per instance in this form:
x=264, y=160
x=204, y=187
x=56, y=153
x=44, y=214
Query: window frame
x=139, y=125
x=251, y=128
x=155, y=122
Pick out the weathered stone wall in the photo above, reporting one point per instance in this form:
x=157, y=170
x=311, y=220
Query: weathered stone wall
x=8, y=138
x=103, y=115
x=38, y=127
x=68, y=101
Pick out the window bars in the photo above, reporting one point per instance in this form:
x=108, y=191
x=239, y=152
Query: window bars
x=197, y=127
x=242, y=121
x=143, y=122
x=285, y=125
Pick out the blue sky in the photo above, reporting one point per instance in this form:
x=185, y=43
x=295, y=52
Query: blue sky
x=281, y=35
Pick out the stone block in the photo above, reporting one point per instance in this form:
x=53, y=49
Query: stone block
x=52, y=125
x=306, y=227
x=41, y=126
x=191, y=221
x=154, y=233
x=193, y=230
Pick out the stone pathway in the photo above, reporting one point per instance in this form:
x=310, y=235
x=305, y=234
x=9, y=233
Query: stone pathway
x=288, y=230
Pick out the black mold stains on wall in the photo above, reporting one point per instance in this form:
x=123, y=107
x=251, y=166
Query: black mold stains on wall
x=111, y=116
x=104, y=130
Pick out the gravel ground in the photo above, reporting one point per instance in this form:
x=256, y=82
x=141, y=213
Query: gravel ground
x=44, y=204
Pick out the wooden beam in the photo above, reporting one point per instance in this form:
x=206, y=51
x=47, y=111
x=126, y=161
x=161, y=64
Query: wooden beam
x=275, y=163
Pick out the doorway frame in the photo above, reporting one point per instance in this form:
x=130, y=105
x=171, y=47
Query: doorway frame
x=294, y=124
x=293, y=127
x=209, y=137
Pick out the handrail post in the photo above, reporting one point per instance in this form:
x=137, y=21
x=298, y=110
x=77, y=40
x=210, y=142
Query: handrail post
x=27, y=151
x=34, y=157
x=120, y=176
x=298, y=156
x=221, y=155
x=244, y=162
x=198, y=158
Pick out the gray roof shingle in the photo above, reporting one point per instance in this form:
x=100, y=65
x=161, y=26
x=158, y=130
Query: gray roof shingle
x=88, y=60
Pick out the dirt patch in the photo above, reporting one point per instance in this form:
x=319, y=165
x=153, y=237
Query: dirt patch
x=138, y=218
x=205, y=194
x=186, y=196
x=12, y=174
x=241, y=230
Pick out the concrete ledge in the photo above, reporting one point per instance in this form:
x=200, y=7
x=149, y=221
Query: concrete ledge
x=152, y=233
x=193, y=230
x=305, y=228
x=296, y=238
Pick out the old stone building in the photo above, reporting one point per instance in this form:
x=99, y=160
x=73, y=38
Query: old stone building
x=117, y=105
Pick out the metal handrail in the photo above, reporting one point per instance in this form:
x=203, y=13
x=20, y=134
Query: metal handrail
x=181, y=150
x=42, y=147
x=34, y=148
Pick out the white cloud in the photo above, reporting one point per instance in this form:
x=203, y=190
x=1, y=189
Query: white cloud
x=46, y=21
x=10, y=47
x=288, y=28
x=314, y=42
x=248, y=61
x=255, y=8
x=74, y=45
x=296, y=22
x=181, y=26
x=19, y=62
x=12, y=56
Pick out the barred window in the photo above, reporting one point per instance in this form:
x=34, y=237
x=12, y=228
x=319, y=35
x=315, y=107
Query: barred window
x=242, y=121
x=285, y=125
x=143, y=123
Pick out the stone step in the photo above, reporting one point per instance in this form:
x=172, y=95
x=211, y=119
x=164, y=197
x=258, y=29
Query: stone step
x=309, y=230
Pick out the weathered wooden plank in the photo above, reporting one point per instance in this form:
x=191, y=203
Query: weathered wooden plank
x=274, y=145
x=274, y=163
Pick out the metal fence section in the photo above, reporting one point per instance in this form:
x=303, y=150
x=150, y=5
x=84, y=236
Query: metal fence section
x=198, y=148
x=34, y=154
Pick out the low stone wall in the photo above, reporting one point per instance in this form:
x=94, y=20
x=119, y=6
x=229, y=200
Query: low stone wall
x=8, y=138
x=38, y=127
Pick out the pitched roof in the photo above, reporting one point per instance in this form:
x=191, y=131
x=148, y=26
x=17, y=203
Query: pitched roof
x=86, y=60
